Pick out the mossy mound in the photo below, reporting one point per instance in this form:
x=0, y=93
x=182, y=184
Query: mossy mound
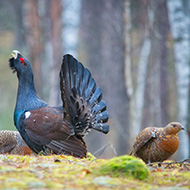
x=128, y=166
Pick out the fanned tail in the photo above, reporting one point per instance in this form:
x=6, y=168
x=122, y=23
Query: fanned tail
x=82, y=100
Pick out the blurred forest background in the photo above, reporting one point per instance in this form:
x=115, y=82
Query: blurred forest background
x=137, y=50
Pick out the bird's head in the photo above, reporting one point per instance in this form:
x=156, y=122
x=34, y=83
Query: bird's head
x=173, y=128
x=18, y=63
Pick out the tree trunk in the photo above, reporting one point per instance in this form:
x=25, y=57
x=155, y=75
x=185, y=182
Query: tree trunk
x=181, y=36
x=155, y=111
x=71, y=21
x=127, y=38
x=33, y=31
x=138, y=98
x=163, y=30
x=137, y=102
x=16, y=9
x=56, y=40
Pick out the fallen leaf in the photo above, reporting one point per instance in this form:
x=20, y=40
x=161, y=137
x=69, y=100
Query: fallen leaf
x=84, y=173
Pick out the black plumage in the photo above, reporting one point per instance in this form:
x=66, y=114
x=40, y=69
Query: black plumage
x=59, y=129
x=82, y=100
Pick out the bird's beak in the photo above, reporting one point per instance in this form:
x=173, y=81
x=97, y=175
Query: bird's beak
x=15, y=53
x=182, y=128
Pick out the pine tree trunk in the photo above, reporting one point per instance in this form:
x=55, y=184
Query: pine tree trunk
x=56, y=40
x=163, y=30
x=34, y=40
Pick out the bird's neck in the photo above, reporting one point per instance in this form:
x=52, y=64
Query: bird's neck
x=26, y=92
x=27, y=98
x=169, y=131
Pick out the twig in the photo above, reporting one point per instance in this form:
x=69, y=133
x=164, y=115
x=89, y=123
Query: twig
x=185, y=163
x=100, y=151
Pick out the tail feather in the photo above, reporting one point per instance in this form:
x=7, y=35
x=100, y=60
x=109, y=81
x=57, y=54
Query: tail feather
x=96, y=97
x=84, y=82
x=90, y=89
x=71, y=146
x=100, y=107
x=102, y=127
x=102, y=117
x=82, y=100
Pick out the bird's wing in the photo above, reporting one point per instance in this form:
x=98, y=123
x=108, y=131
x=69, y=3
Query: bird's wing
x=143, y=137
x=44, y=124
x=45, y=127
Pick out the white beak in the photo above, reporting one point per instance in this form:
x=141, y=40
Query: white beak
x=15, y=53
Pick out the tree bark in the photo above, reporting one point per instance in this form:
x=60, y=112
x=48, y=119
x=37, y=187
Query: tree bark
x=181, y=38
x=155, y=110
x=163, y=30
x=56, y=40
x=34, y=42
x=16, y=9
x=138, y=99
x=137, y=102
x=127, y=38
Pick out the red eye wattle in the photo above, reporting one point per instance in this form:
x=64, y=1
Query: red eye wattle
x=22, y=61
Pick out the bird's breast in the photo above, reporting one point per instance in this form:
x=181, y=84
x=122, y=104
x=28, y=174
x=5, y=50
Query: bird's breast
x=168, y=143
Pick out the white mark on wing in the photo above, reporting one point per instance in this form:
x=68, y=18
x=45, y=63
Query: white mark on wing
x=27, y=114
x=153, y=134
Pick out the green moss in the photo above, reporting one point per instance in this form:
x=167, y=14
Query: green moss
x=125, y=166
x=90, y=157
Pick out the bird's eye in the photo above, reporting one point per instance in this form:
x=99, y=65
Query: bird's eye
x=174, y=125
x=22, y=61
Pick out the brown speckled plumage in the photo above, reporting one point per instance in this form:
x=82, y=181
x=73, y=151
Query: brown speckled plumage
x=12, y=143
x=155, y=144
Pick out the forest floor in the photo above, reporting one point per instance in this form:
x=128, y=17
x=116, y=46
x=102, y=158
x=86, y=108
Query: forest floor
x=67, y=172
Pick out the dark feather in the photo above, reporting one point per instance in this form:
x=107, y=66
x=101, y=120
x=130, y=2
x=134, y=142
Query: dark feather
x=81, y=98
x=71, y=146
x=11, y=64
